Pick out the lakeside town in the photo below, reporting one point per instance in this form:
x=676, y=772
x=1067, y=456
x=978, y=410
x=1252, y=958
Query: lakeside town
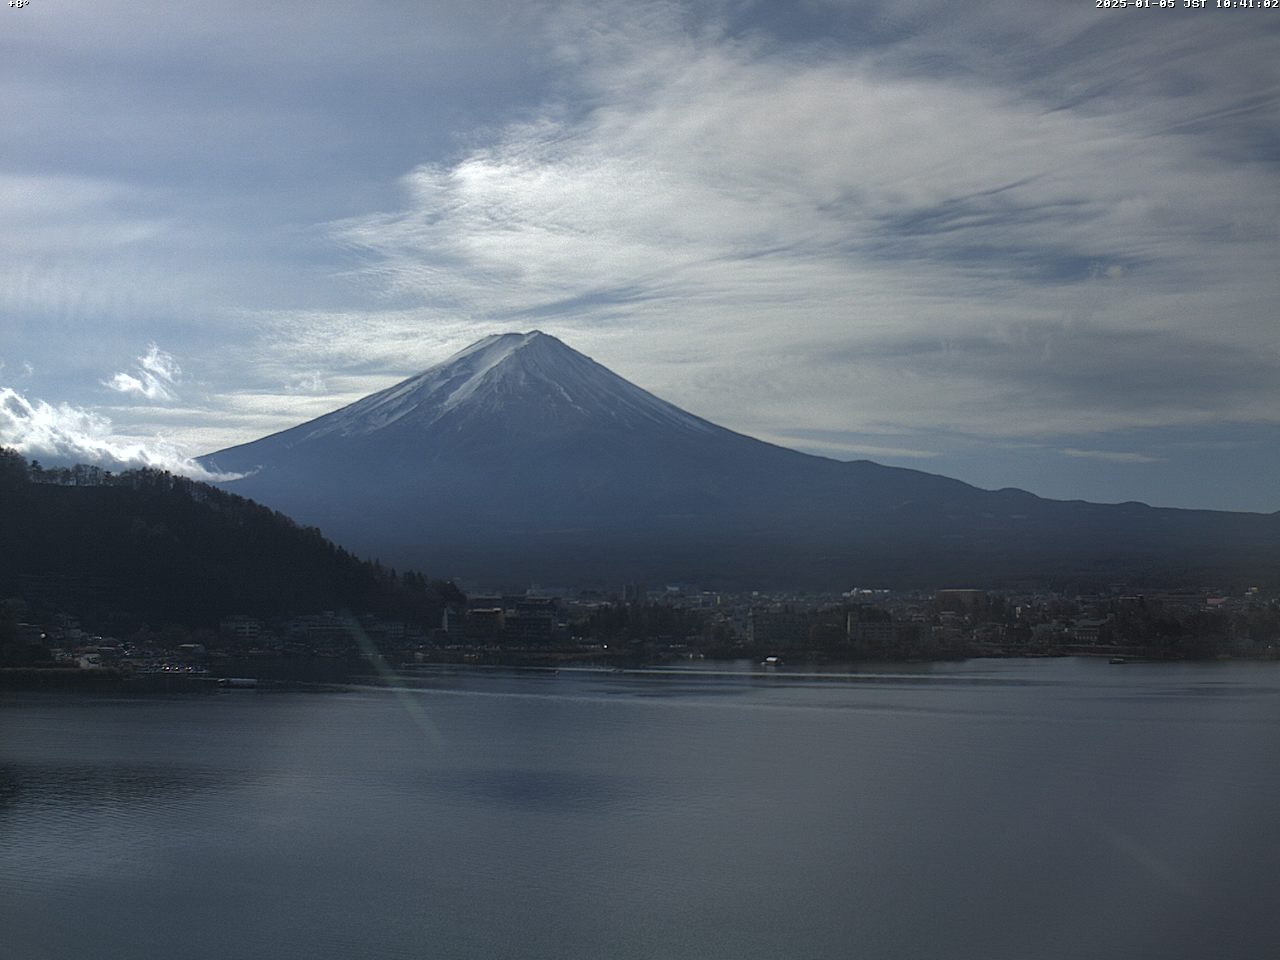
x=639, y=626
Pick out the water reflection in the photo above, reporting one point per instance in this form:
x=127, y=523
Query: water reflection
x=976, y=811
x=538, y=790
x=28, y=787
x=64, y=824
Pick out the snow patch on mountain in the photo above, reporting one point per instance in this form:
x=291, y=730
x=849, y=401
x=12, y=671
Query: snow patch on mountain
x=507, y=372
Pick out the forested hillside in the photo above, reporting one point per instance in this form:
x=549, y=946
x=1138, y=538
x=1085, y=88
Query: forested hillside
x=153, y=547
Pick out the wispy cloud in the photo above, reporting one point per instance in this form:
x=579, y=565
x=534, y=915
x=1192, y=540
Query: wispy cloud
x=843, y=449
x=1112, y=456
x=931, y=223
x=69, y=434
x=786, y=213
x=311, y=382
x=157, y=376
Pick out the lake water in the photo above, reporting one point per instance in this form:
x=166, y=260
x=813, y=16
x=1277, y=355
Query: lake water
x=988, y=809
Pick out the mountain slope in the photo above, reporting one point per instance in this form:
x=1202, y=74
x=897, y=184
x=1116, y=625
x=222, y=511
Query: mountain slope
x=521, y=459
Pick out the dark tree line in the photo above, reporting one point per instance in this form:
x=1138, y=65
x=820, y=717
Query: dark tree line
x=148, y=546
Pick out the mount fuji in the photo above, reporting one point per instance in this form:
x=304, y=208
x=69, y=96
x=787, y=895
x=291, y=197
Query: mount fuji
x=520, y=459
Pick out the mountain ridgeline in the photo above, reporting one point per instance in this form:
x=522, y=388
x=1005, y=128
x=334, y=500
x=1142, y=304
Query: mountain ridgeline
x=148, y=547
x=521, y=460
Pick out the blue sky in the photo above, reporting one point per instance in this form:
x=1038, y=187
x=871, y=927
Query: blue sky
x=1027, y=244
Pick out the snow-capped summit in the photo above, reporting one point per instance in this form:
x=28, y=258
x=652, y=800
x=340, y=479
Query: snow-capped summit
x=528, y=384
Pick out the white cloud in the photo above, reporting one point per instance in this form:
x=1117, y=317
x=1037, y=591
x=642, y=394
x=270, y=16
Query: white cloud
x=842, y=449
x=69, y=434
x=1113, y=456
x=926, y=221
x=157, y=376
x=311, y=382
x=753, y=228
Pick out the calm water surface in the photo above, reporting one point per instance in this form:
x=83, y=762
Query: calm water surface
x=991, y=809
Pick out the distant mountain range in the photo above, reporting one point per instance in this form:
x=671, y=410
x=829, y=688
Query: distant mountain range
x=521, y=460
